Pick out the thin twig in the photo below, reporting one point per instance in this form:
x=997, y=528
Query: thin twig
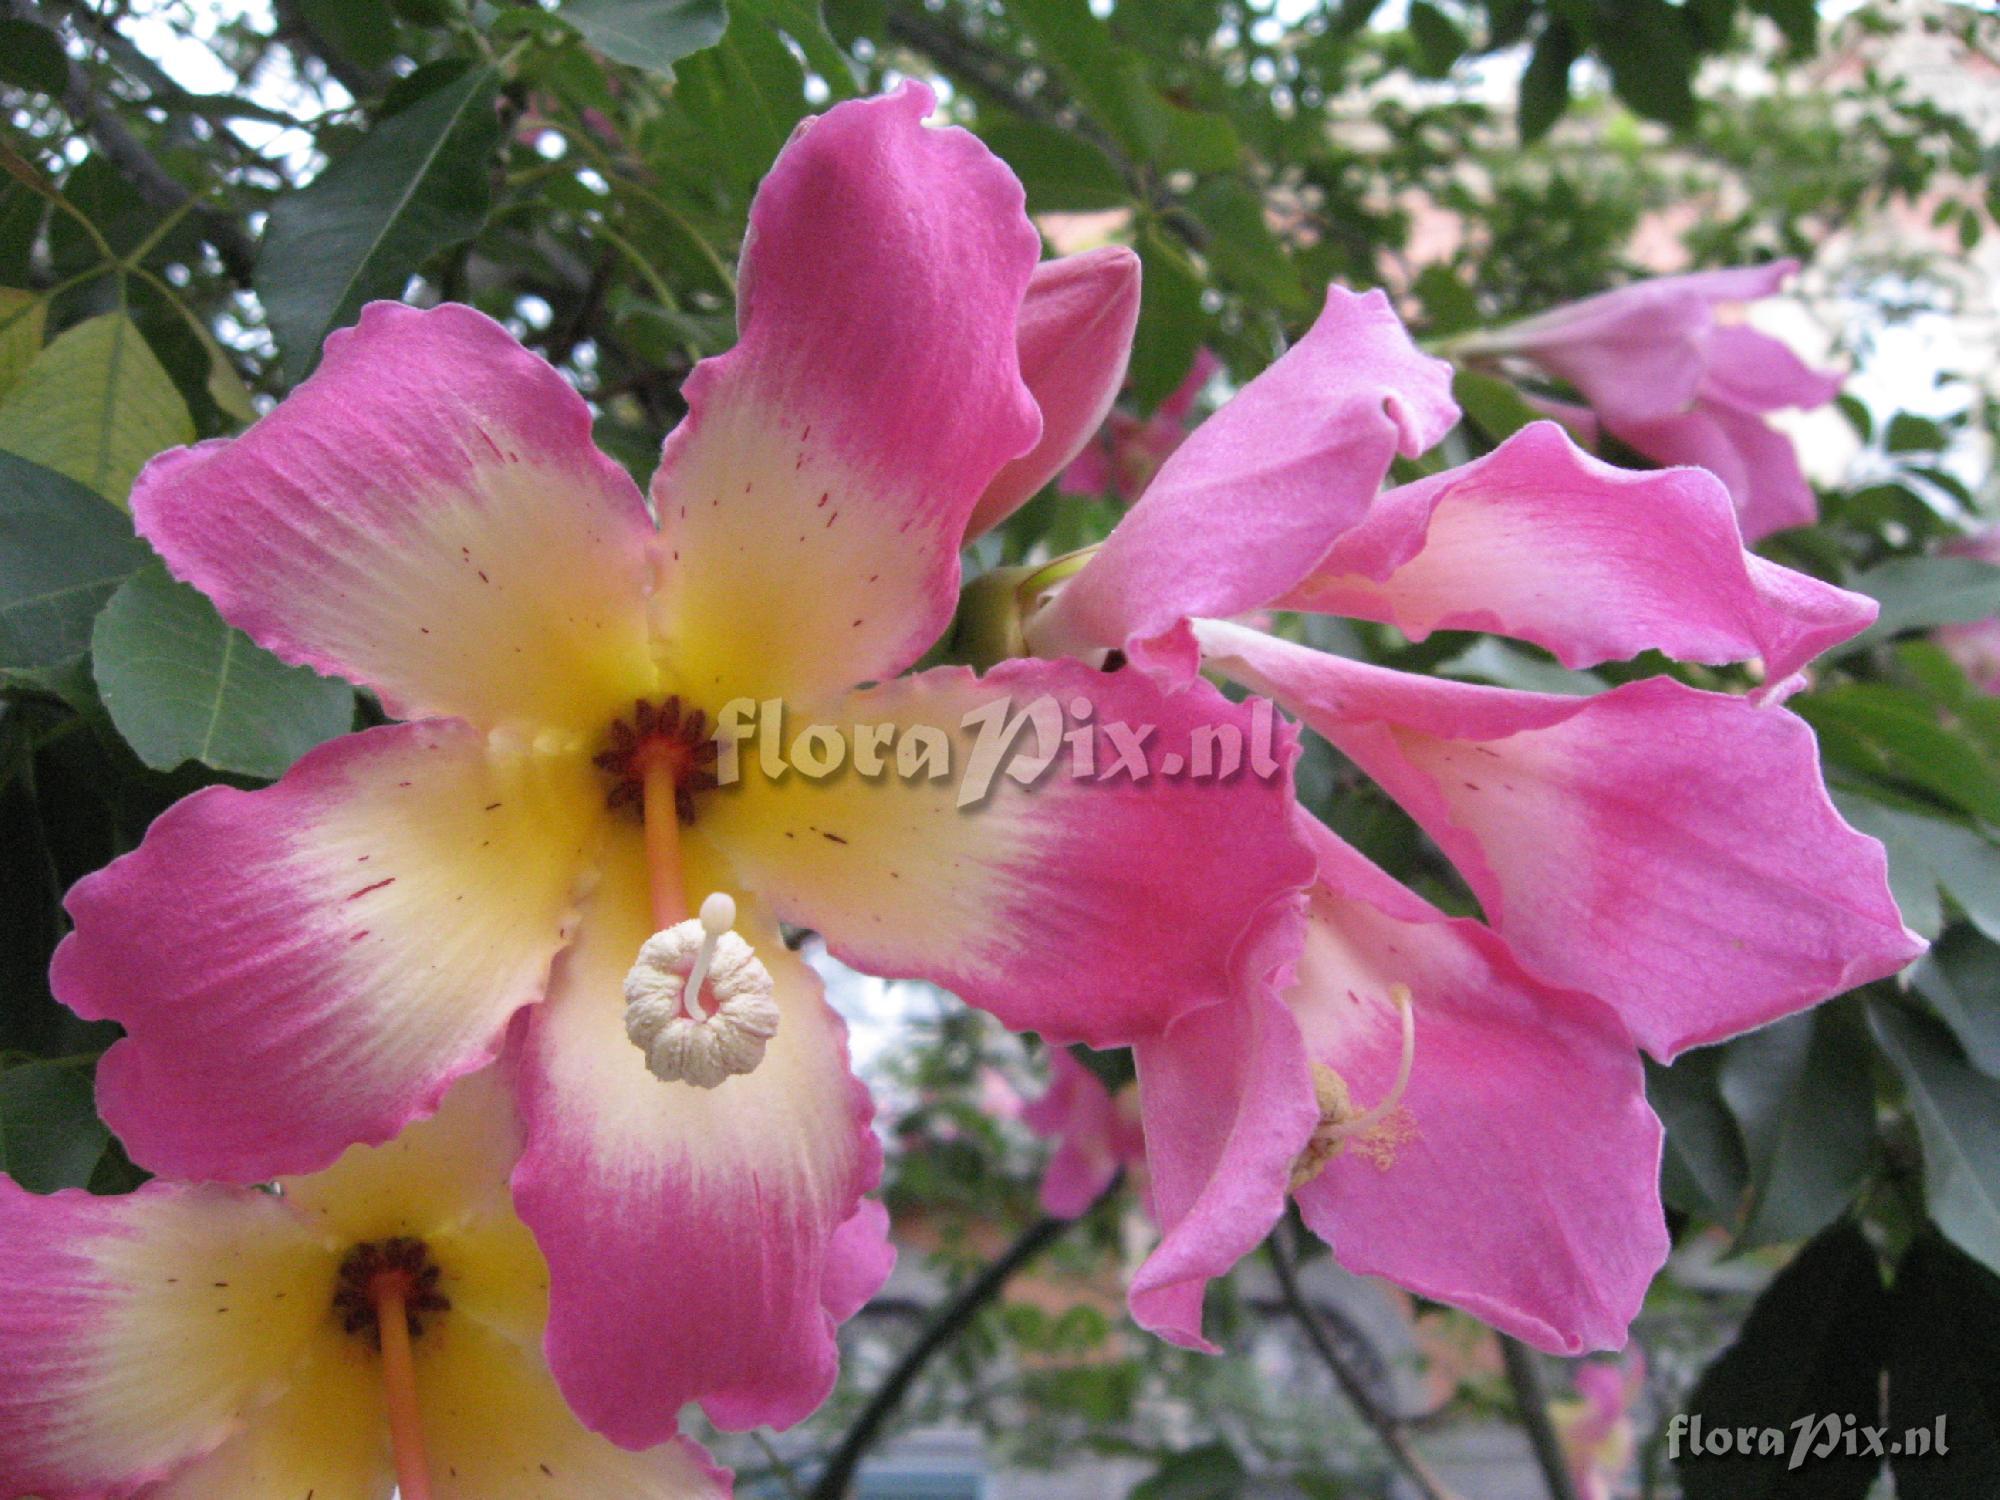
x=1388, y=1427
x=1525, y=1376
x=149, y=179
x=949, y=1321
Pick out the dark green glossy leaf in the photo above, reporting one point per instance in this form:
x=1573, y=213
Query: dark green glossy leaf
x=50, y=1136
x=1960, y=977
x=1802, y=1094
x=417, y=184
x=1958, y=1117
x=1439, y=41
x=1944, y=1381
x=1061, y=171
x=63, y=551
x=1170, y=319
x=805, y=23
x=1897, y=736
x=1811, y=1350
x=182, y=685
x=1652, y=58
x=1491, y=405
x=1545, y=81
x=362, y=31
x=649, y=34
x=1703, y=1170
x=31, y=57
x=1917, y=593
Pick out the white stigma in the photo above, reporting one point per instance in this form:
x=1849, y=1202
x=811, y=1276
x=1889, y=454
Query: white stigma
x=684, y=1041
x=1361, y=1124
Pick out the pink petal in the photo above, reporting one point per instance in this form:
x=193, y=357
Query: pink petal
x=1074, y=336
x=813, y=500
x=1085, y=907
x=125, y=1360
x=1518, y=1176
x=1093, y=1136
x=1228, y=1107
x=311, y=965
x=1756, y=462
x=496, y=1428
x=426, y=516
x=1669, y=850
x=859, y=1260
x=1754, y=372
x=695, y=1238
x=1637, y=351
x=1260, y=491
x=1541, y=541
x=1179, y=402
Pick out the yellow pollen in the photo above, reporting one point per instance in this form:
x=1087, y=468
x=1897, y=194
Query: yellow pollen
x=1377, y=1133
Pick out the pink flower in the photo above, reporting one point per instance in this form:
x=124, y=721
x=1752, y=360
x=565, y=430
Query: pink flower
x=1668, y=375
x=1596, y=1431
x=1129, y=450
x=1975, y=645
x=1458, y=1105
x=373, y=1323
x=1075, y=338
x=311, y=965
x=1097, y=1133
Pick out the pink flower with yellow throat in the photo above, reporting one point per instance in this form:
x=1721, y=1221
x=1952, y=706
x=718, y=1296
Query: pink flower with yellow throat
x=369, y=1329
x=539, y=851
x=1457, y=1104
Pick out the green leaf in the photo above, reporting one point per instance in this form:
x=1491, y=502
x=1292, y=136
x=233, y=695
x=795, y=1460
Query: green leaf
x=1910, y=433
x=416, y=185
x=31, y=57
x=63, y=552
x=1803, y=1096
x=1439, y=41
x=1210, y=1472
x=182, y=685
x=361, y=31
x=1241, y=248
x=1545, y=81
x=1703, y=1170
x=805, y=23
x=1917, y=593
x=22, y=316
x=1492, y=405
x=95, y=405
x=50, y=1136
x=1812, y=1349
x=1895, y=735
x=1651, y=57
x=1061, y=170
x=1943, y=1378
x=1932, y=855
x=1960, y=977
x=1958, y=1118
x=649, y=34
x=1449, y=306
x=1171, y=321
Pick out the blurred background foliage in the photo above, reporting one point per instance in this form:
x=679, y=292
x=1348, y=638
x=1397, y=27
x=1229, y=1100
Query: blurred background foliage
x=194, y=194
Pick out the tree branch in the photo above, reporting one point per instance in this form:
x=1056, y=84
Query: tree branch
x=1387, y=1426
x=950, y=1321
x=1525, y=1376
x=152, y=181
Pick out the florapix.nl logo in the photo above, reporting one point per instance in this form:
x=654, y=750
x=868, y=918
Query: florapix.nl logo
x=1022, y=741
x=1803, y=1441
